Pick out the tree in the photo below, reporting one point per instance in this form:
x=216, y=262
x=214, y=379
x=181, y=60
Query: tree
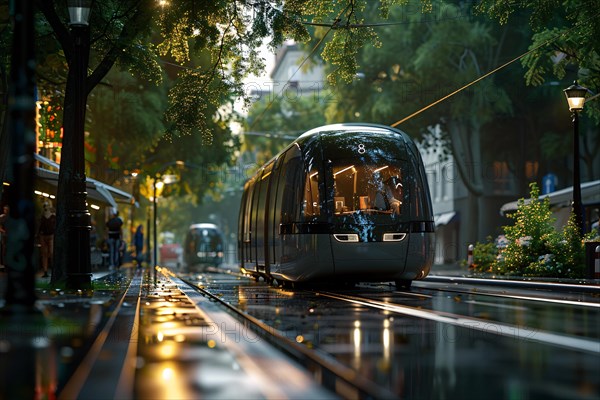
x=125, y=122
x=435, y=54
x=123, y=34
x=571, y=29
x=568, y=32
x=145, y=37
x=279, y=120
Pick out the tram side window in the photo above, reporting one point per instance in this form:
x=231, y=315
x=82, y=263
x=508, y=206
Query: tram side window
x=248, y=211
x=289, y=186
x=311, y=194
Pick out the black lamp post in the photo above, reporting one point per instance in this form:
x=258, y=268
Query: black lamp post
x=154, y=249
x=576, y=99
x=79, y=272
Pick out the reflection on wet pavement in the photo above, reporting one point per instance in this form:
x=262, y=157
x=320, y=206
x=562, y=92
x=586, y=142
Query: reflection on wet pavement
x=422, y=358
x=177, y=358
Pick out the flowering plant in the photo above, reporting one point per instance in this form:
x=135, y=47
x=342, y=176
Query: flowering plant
x=532, y=246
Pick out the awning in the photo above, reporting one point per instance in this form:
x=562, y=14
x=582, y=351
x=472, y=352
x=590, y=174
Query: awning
x=443, y=218
x=97, y=191
x=590, y=194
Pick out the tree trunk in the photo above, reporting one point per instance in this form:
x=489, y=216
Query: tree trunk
x=590, y=151
x=4, y=137
x=466, y=148
x=61, y=243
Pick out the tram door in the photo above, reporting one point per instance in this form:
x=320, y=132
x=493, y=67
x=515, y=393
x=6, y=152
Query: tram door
x=287, y=205
x=272, y=225
x=247, y=222
x=260, y=227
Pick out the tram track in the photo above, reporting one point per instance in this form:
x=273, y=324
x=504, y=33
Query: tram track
x=562, y=287
x=483, y=325
x=338, y=378
x=560, y=295
x=423, y=290
x=456, y=314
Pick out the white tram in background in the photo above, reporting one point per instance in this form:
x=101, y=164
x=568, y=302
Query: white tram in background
x=342, y=203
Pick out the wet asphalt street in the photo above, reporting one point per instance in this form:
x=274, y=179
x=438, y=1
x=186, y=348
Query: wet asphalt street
x=166, y=340
x=431, y=343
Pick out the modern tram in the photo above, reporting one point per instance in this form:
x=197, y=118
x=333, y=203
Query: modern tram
x=203, y=246
x=343, y=203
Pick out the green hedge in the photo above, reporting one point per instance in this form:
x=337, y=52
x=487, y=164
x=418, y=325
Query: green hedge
x=532, y=246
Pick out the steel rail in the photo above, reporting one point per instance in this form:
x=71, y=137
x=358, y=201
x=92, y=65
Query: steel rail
x=499, y=328
x=564, y=302
x=341, y=380
x=553, y=286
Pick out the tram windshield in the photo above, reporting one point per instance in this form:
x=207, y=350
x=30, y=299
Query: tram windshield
x=370, y=188
x=370, y=175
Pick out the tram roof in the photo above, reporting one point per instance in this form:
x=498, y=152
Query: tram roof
x=204, y=225
x=354, y=126
x=348, y=127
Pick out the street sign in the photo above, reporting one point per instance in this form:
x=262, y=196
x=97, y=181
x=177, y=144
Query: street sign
x=549, y=182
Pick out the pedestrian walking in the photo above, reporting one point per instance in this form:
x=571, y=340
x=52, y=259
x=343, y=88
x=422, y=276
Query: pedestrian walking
x=138, y=242
x=3, y=233
x=46, y=236
x=114, y=225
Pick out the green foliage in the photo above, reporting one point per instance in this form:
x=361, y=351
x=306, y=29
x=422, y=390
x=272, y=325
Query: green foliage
x=572, y=33
x=281, y=120
x=484, y=255
x=342, y=51
x=532, y=246
x=528, y=237
x=429, y=55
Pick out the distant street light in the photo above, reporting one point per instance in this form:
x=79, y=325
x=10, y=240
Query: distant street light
x=79, y=271
x=159, y=183
x=576, y=99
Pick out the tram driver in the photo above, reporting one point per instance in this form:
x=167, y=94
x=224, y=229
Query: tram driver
x=387, y=199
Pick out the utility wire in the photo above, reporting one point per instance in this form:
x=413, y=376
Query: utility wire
x=490, y=73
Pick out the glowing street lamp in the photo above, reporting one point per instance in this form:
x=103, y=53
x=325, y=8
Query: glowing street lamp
x=576, y=98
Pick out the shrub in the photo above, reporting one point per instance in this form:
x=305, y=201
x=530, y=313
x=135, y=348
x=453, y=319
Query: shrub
x=484, y=255
x=533, y=247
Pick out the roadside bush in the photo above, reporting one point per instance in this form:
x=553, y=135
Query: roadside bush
x=484, y=255
x=532, y=246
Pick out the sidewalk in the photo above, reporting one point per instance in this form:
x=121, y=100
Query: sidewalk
x=449, y=270
x=41, y=349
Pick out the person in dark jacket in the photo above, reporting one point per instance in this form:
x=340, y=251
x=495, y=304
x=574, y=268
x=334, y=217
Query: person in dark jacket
x=115, y=234
x=46, y=236
x=3, y=232
x=138, y=242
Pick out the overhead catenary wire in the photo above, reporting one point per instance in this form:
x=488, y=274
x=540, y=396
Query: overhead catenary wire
x=547, y=42
x=337, y=25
